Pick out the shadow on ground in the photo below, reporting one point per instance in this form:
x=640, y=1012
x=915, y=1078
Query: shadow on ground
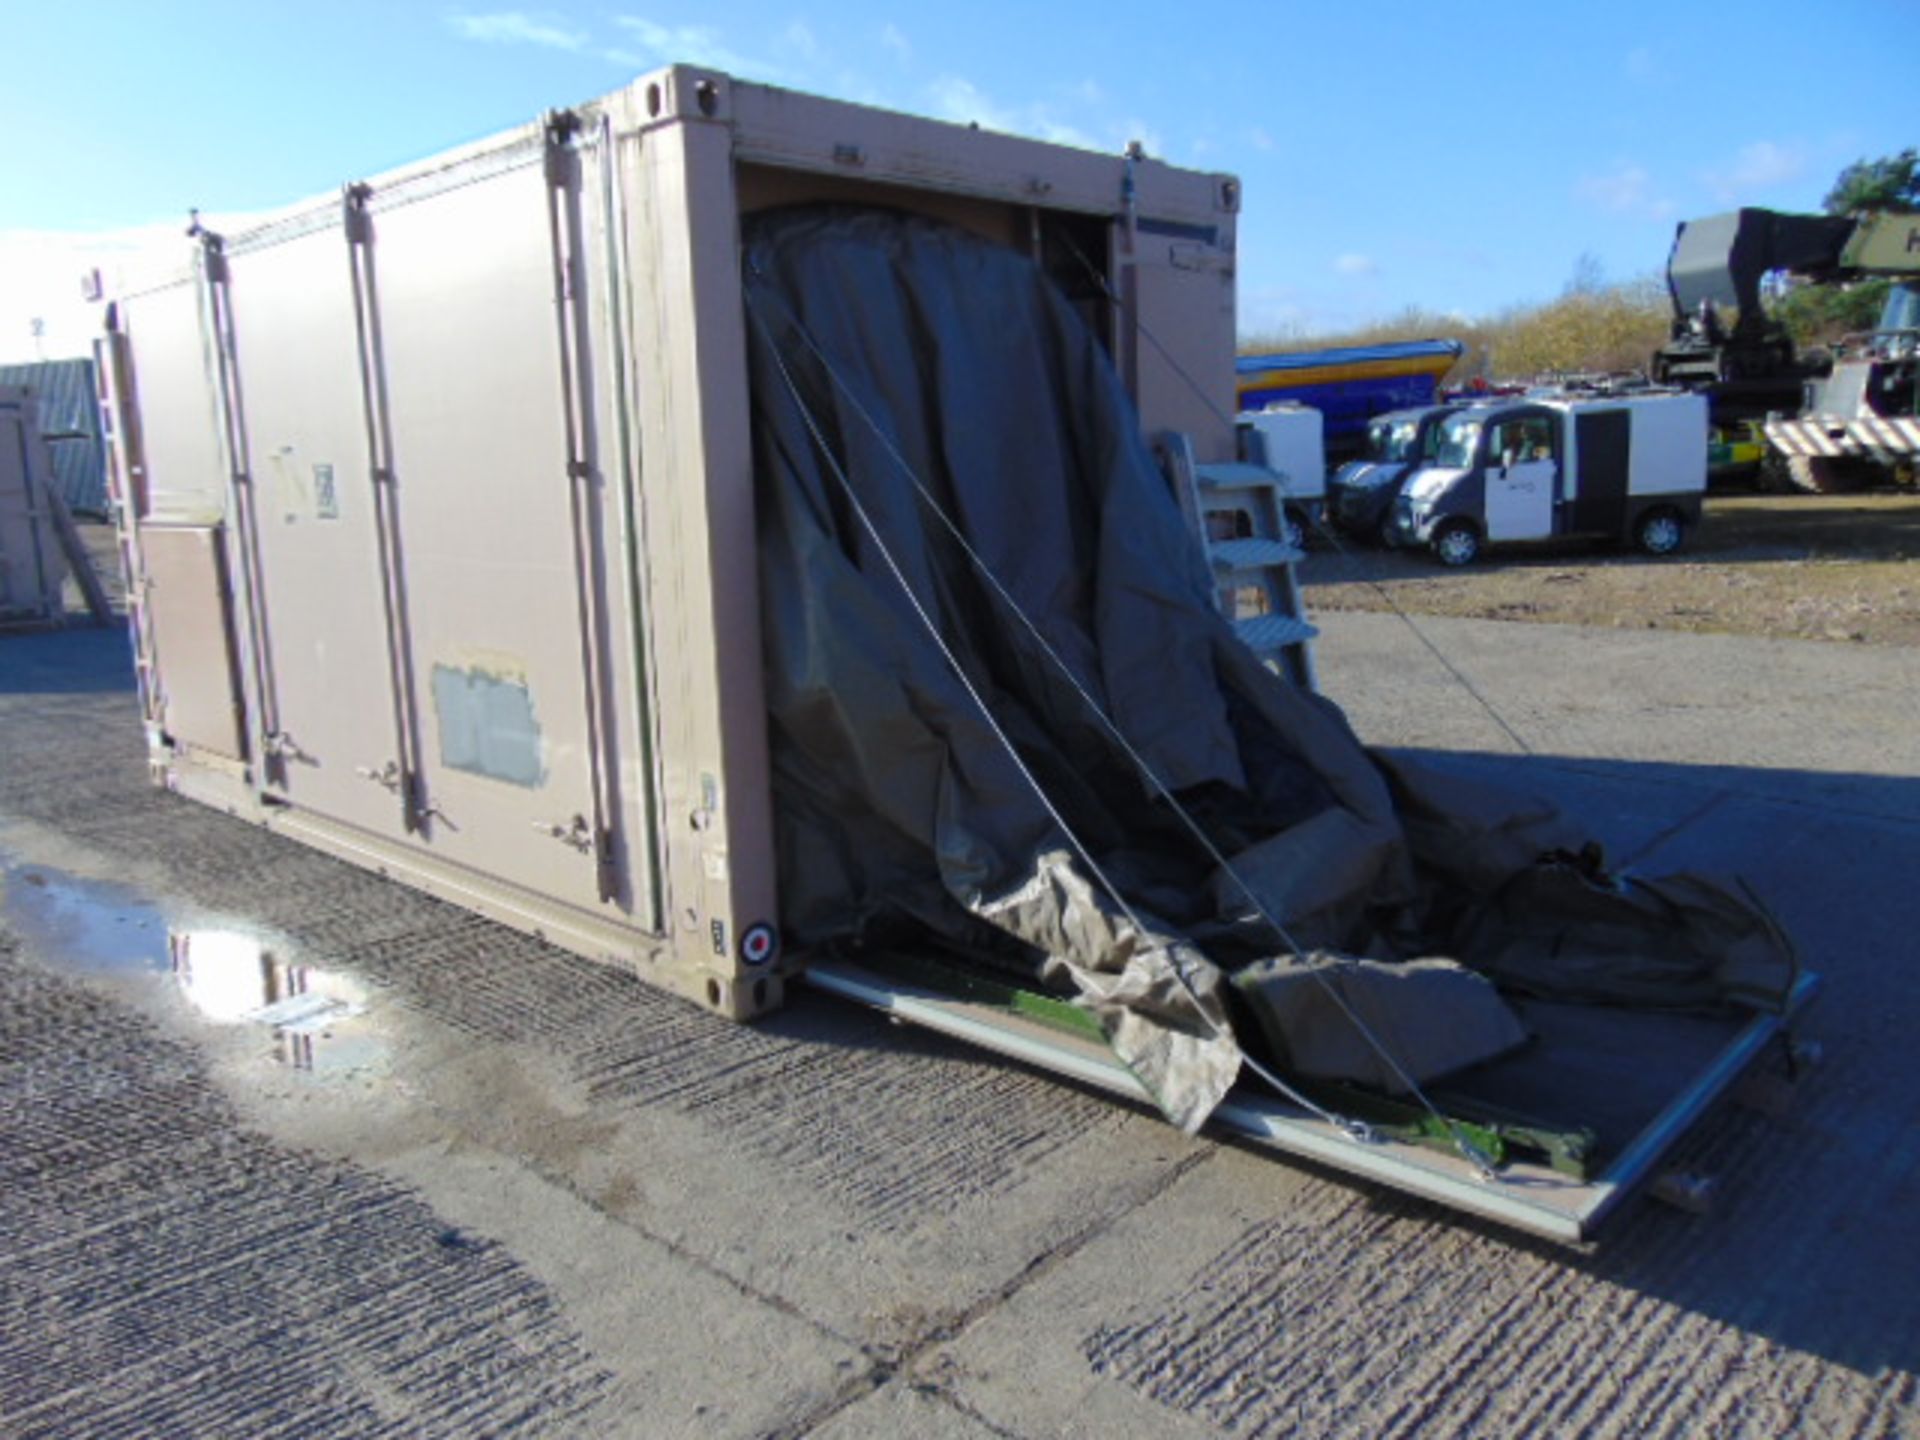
x=1734, y=531
x=88, y=660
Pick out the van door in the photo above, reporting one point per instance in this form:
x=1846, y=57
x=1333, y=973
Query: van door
x=1523, y=476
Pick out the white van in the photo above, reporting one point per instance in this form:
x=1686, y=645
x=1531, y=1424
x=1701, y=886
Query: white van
x=1622, y=467
x=1290, y=440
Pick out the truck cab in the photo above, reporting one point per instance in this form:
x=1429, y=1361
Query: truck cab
x=1629, y=468
x=1360, y=496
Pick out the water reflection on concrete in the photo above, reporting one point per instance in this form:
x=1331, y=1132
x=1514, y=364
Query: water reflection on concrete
x=229, y=975
x=232, y=977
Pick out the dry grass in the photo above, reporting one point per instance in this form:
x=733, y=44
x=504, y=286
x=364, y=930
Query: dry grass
x=1592, y=327
x=1826, y=567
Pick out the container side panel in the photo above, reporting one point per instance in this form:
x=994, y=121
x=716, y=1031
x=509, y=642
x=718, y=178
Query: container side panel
x=186, y=481
x=298, y=359
x=480, y=447
x=1185, y=348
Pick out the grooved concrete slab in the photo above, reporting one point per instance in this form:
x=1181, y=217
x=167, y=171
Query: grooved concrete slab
x=548, y=1198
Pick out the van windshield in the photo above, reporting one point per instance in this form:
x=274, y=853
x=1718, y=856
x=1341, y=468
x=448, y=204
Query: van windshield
x=1459, y=437
x=1391, y=441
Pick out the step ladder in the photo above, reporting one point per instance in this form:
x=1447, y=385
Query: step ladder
x=1239, y=512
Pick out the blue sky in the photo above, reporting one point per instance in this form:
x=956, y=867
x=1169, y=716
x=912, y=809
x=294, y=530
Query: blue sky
x=1457, y=157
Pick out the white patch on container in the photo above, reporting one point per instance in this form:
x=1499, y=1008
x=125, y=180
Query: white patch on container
x=326, y=498
x=289, y=484
x=487, y=725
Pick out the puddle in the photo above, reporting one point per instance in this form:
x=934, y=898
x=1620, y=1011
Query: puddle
x=318, y=1020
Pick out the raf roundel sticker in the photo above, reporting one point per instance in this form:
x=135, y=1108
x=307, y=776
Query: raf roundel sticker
x=758, y=944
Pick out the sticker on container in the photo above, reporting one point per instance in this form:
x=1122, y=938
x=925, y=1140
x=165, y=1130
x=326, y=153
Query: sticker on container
x=326, y=499
x=758, y=944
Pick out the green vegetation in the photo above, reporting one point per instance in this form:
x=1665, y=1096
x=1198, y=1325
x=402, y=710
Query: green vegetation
x=1821, y=314
x=1890, y=183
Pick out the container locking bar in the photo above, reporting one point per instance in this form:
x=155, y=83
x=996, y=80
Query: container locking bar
x=357, y=225
x=567, y=229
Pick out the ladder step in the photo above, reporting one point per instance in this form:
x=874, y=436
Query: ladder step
x=1237, y=475
x=1250, y=554
x=1263, y=634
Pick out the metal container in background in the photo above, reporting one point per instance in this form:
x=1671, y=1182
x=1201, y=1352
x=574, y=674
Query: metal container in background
x=32, y=565
x=69, y=407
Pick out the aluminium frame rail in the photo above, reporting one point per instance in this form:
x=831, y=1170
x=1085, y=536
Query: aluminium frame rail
x=1526, y=1196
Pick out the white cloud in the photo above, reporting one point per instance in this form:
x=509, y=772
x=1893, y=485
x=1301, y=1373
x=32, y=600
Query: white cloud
x=516, y=27
x=894, y=40
x=1356, y=265
x=1285, y=318
x=800, y=39
x=1763, y=165
x=1627, y=189
x=650, y=43
x=958, y=99
x=1643, y=66
x=1259, y=139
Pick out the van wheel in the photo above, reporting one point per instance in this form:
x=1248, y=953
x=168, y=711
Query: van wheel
x=1456, y=543
x=1660, y=532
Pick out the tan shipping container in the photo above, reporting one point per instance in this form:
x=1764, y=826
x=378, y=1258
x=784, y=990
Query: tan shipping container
x=442, y=491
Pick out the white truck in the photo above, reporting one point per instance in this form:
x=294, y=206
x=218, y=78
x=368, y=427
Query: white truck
x=1543, y=468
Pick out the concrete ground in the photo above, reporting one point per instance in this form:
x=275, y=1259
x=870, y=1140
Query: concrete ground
x=521, y=1192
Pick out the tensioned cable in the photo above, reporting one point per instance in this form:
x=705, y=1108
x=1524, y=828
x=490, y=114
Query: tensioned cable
x=1355, y=567
x=1469, y=1152
x=1352, y=1128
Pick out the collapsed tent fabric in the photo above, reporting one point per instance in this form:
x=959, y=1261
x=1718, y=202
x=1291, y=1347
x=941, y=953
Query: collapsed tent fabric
x=935, y=766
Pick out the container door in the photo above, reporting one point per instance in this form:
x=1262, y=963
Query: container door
x=1177, y=288
x=336, y=747
x=497, y=478
x=199, y=703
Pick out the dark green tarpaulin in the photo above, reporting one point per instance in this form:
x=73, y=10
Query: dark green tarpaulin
x=888, y=351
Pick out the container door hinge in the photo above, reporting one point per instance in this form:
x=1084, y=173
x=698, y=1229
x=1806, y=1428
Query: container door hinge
x=281, y=745
x=354, y=219
x=576, y=832
x=561, y=127
x=388, y=777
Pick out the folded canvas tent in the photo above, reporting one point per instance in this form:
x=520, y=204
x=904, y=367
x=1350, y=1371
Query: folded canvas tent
x=712, y=487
